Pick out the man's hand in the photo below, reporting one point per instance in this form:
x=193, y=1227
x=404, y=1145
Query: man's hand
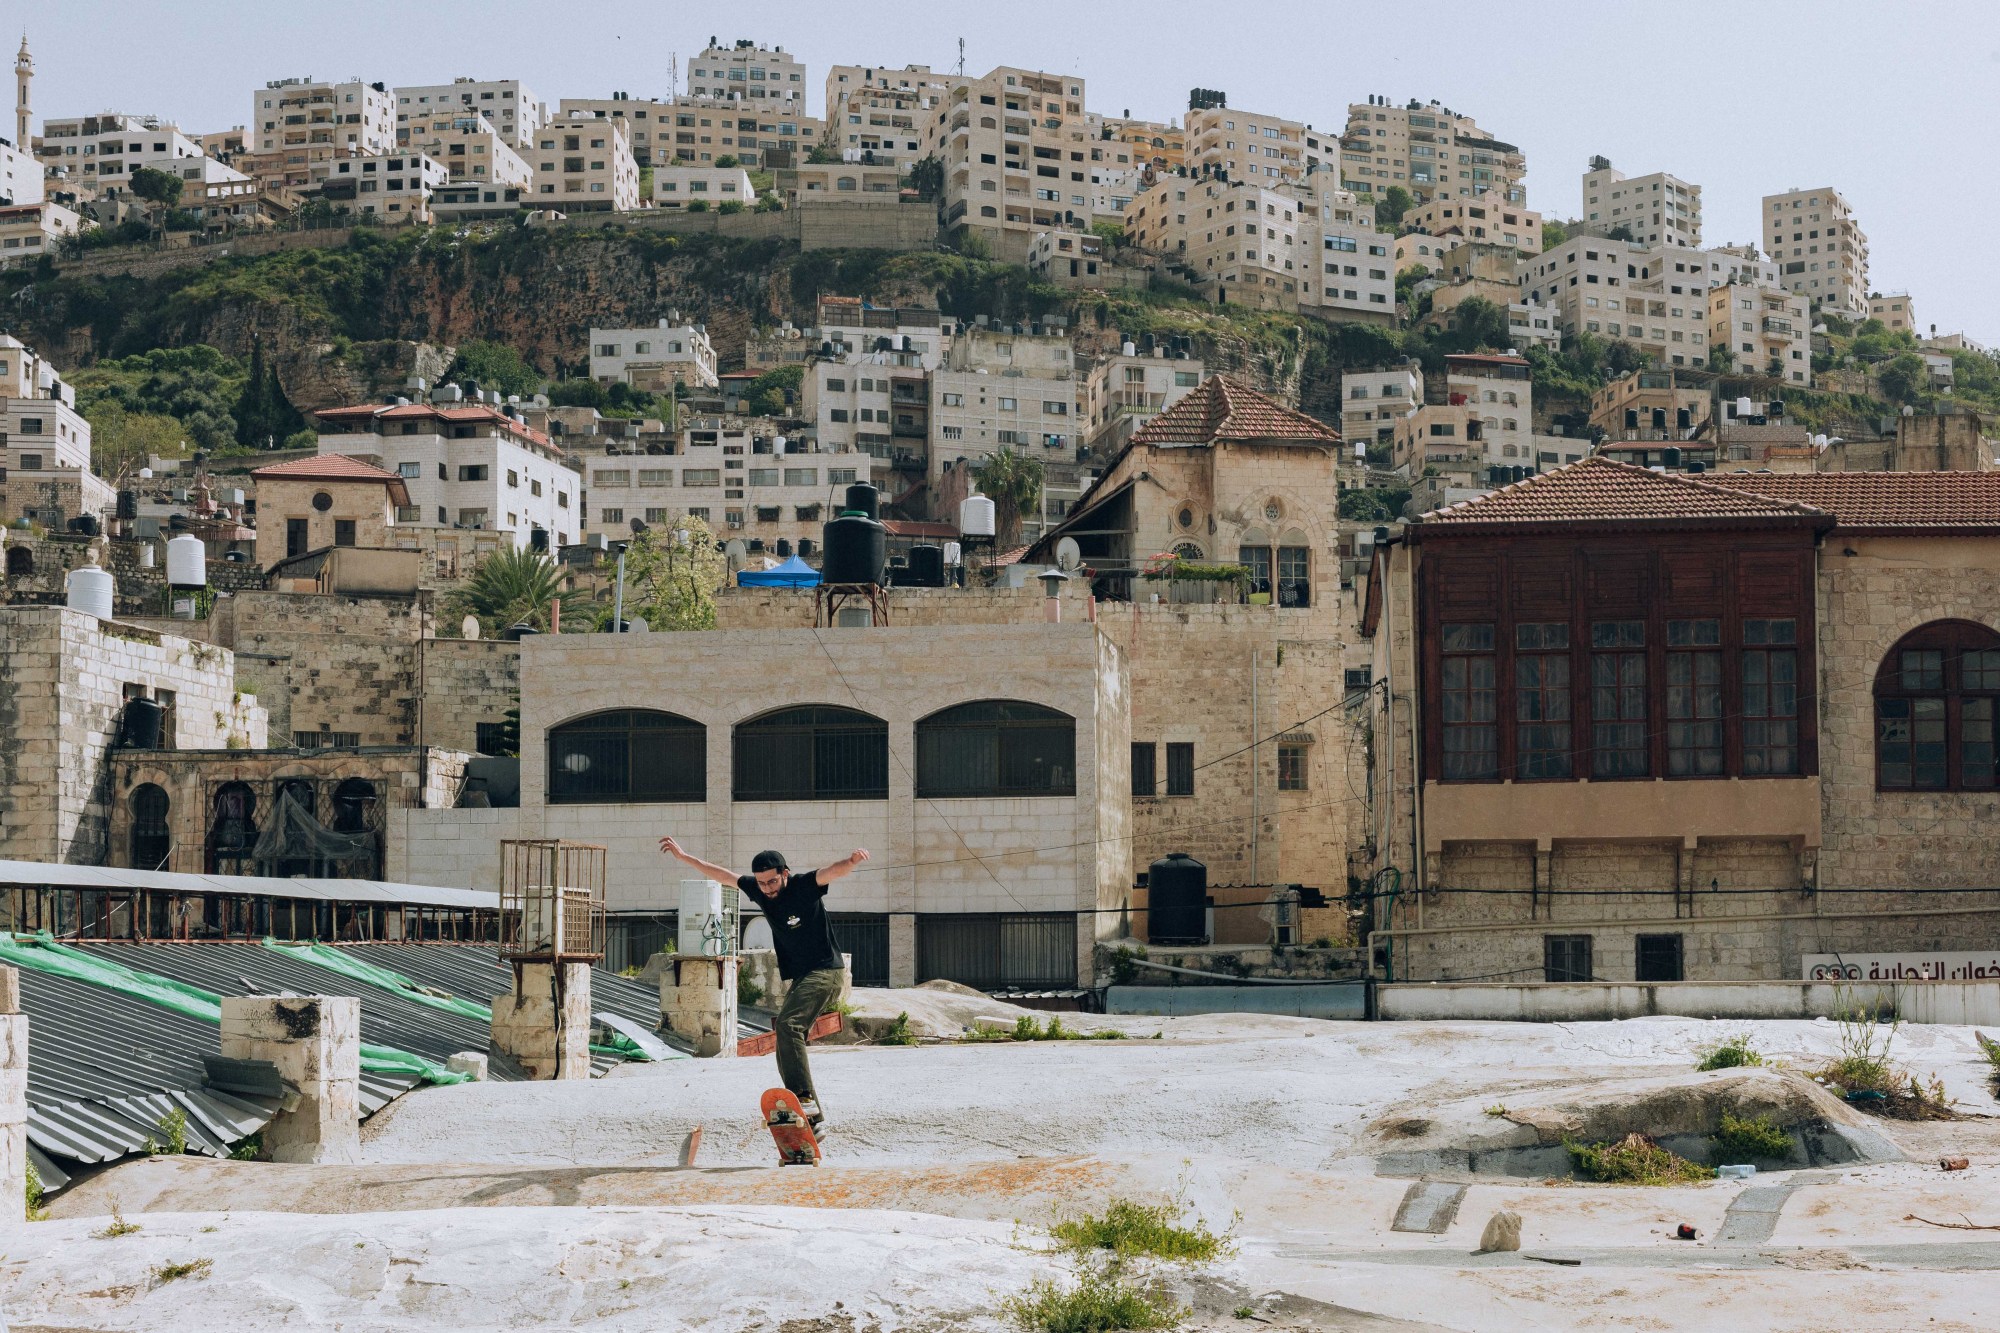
x=857, y=856
x=672, y=848
x=845, y=866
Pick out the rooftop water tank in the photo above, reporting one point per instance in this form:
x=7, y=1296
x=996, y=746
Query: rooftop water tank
x=1744, y=407
x=187, y=562
x=1177, y=894
x=90, y=590
x=975, y=516
x=926, y=566
x=864, y=499
x=144, y=721
x=856, y=544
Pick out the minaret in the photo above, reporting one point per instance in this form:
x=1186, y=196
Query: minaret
x=24, y=74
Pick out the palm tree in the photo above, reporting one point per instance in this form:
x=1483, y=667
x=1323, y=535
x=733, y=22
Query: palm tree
x=1014, y=483
x=510, y=586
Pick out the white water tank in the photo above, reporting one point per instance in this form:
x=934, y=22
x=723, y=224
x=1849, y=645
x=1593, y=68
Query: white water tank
x=187, y=562
x=975, y=516
x=90, y=590
x=701, y=903
x=146, y=556
x=1744, y=407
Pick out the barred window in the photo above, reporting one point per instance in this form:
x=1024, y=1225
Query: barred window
x=996, y=747
x=631, y=755
x=818, y=752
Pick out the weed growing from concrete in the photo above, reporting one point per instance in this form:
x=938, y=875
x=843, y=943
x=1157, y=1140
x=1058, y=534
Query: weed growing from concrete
x=899, y=1033
x=748, y=992
x=35, y=1195
x=1098, y=1301
x=173, y=1140
x=1634, y=1160
x=1752, y=1136
x=166, y=1273
x=249, y=1150
x=1863, y=1074
x=1991, y=1050
x=1735, y=1053
x=1497, y=1111
x=1129, y=1229
x=117, y=1226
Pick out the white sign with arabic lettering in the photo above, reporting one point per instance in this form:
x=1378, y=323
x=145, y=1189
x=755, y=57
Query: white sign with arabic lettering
x=1903, y=966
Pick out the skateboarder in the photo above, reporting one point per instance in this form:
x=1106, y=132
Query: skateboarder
x=808, y=957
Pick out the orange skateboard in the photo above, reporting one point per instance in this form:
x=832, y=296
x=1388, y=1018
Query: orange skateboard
x=790, y=1130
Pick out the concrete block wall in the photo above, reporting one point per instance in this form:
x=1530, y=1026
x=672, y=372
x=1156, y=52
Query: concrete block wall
x=454, y=849
x=466, y=682
x=315, y=1041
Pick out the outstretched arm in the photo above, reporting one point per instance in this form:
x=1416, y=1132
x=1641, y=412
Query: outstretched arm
x=720, y=874
x=826, y=875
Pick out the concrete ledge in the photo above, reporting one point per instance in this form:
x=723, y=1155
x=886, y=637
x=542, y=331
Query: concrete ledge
x=1957, y=1002
x=1332, y=1000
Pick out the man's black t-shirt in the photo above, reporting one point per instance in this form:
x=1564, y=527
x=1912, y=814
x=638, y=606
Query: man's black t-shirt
x=800, y=930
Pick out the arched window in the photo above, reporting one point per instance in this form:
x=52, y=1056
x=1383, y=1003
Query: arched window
x=1935, y=697
x=354, y=806
x=635, y=755
x=152, y=841
x=997, y=747
x=815, y=753
x=232, y=832
x=20, y=562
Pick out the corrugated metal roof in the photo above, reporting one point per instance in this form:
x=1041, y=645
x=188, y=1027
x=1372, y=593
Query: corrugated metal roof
x=168, y=881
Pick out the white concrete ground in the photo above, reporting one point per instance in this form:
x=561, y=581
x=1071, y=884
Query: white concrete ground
x=557, y=1206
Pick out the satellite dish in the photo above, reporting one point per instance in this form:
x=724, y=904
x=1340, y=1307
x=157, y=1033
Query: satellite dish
x=1068, y=554
x=736, y=548
x=468, y=628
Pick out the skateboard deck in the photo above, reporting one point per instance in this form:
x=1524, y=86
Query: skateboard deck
x=786, y=1120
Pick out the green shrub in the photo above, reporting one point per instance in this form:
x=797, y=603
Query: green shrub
x=1634, y=1160
x=1752, y=1136
x=1027, y=1029
x=748, y=992
x=173, y=1140
x=1735, y=1053
x=1128, y=1230
x=899, y=1033
x=35, y=1195
x=1991, y=1050
x=249, y=1150
x=1099, y=1301
x=729, y=206
x=165, y=1273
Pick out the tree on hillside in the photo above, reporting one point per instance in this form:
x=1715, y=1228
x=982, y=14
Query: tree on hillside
x=1014, y=483
x=772, y=393
x=510, y=586
x=122, y=440
x=1553, y=234
x=264, y=415
x=161, y=189
x=1477, y=323
x=1390, y=208
x=1904, y=378
x=494, y=366
x=671, y=576
x=926, y=177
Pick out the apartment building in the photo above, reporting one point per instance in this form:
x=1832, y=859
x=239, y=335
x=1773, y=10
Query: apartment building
x=655, y=358
x=1240, y=242
x=747, y=71
x=395, y=187
x=1078, y=260
x=1161, y=145
x=818, y=182
x=20, y=177
x=740, y=475
x=677, y=187
x=648, y=123
x=1484, y=428
x=1821, y=251
x=1624, y=292
x=29, y=231
x=1764, y=329
x=1243, y=145
x=1016, y=155
x=466, y=464
x=1002, y=389
x=584, y=164
x=317, y=121
x=1124, y=391
x=45, y=443
x=876, y=116
x=473, y=150
x=757, y=97
x=104, y=150
x=1477, y=220
x=1896, y=311
x=514, y=110
x=1355, y=274
x=1429, y=150
x=1658, y=209
x=1649, y=406
x=869, y=387
x=1373, y=401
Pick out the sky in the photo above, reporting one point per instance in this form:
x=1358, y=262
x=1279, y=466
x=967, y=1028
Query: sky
x=1897, y=106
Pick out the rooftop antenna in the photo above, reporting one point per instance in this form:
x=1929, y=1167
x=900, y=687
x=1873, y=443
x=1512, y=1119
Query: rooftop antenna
x=961, y=55
x=673, y=76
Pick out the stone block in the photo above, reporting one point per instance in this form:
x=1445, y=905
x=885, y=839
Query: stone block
x=473, y=1063
x=315, y=1042
x=698, y=1001
x=10, y=990
x=527, y=1025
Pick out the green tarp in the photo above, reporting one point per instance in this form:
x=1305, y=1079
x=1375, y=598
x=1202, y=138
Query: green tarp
x=41, y=953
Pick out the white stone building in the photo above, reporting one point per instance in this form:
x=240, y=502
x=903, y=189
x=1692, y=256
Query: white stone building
x=395, y=187
x=656, y=358
x=471, y=148
x=999, y=389
x=738, y=475
x=44, y=442
x=677, y=187
x=877, y=114
x=1657, y=209
x=1820, y=249
x=466, y=465
x=1124, y=391
x=513, y=109
x=1015, y=148
x=648, y=120
x=585, y=165
x=1624, y=293
x=323, y=120
x=1766, y=330
x=1373, y=401
x=104, y=150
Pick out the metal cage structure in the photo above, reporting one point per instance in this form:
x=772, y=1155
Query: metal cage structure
x=551, y=901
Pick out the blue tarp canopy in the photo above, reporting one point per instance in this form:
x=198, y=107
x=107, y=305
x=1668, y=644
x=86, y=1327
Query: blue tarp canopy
x=794, y=573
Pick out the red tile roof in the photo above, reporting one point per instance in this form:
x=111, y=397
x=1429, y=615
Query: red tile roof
x=903, y=527
x=1222, y=409
x=1884, y=501
x=1599, y=490
x=475, y=412
x=334, y=467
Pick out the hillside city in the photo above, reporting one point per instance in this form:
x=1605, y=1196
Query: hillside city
x=1227, y=575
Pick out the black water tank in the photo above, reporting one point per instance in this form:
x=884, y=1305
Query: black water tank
x=926, y=567
x=865, y=498
x=143, y=721
x=1177, y=889
x=784, y=547
x=518, y=631
x=86, y=524
x=1671, y=456
x=856, y=545
x=128, y=504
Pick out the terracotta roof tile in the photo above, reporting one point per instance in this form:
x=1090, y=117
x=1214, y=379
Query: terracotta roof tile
x=1961, y=501
x=1599, y=490
x=439, y=412
x=327, y=467
x=1221, y=409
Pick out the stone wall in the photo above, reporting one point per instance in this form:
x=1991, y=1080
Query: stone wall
x=454, y=849
x=343, y=664
x=466, y=682
x=63, y=681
